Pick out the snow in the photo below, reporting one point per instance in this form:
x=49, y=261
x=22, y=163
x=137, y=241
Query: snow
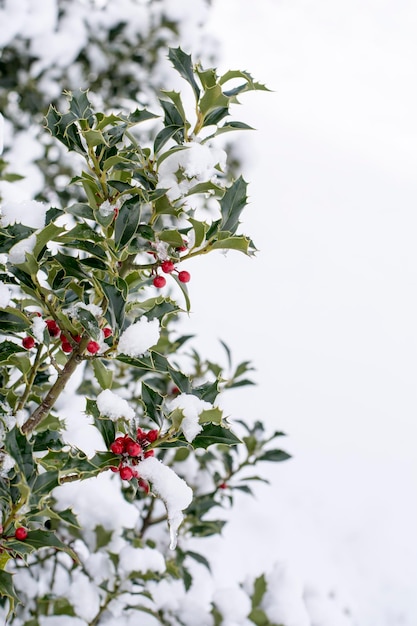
x=5, y=295
x=139, y=337
x=30, y=213
x=83, y=595
x=61, y=620
x=98, y=501
x=6, y=464
x=113, y=406
x=173, y=491
x=38, y=327
x=233, y=603
x=17, y=254
x=94, y=309
x=107, y=208
x=332, y=191
x=1, y=133
x=197, y=163
x=144, y=560
x=192, y=407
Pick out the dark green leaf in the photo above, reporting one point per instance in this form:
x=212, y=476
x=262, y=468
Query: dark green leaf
x=207, y=392
x=7, y=348
x=116, y=299
x=213, y=433
x=44, y=483
x=232, y=204
x=47, y=440
x=140, y=115
x=183, y=64
x=89, y=322
x=19, y=448
x=11, y=235
x=127, y=222
x=215, y=116
x=80, y=106
x=104, y=426
x=153, y=401
x=199, y=558
x=7, y=590
x=275, y=456
x=70, y=265
x=207, y=528
x=81, y=210
x=163, y=136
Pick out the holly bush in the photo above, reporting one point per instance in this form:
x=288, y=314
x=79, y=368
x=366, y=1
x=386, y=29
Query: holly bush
x=91, y=293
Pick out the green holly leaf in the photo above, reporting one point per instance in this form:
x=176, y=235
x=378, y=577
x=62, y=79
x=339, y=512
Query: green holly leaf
x=213, y=433
x=8, y=348
x=183, y=64
x=7, y=590
x=275, y=456
x=232, y=205
x=127, y=222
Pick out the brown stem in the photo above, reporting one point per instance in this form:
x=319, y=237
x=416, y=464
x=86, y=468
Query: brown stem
x=147, y=519
x=42, y=411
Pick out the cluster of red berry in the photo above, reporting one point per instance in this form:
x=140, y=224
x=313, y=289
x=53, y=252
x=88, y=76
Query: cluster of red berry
x=132, y=452
x=54, y=330
x=168, y=267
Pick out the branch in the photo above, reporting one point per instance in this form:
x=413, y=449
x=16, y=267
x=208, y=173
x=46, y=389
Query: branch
x=42, y=411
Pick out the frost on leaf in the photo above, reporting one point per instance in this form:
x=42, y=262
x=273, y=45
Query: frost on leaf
x=173, y=491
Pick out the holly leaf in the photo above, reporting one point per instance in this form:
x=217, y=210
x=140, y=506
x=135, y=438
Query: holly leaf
x=213, y=433
x=183, y=64
x=232, y=204
x=7, y=590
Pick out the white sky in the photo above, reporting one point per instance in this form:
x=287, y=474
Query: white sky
x=328, y=309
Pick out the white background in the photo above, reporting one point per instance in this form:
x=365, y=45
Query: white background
x=328, y=309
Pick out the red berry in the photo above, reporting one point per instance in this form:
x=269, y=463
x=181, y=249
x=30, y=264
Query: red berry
x=28, y=342
x=126, y=473
x=143, y=484
x=141, y=435
x=159, y=282
x=21, y=533
x=182, y=248
x=149, y=453
x=175, y=390
x=184, y=276
x=53, y=328
x=114, y=469
x=93, y=347
x=133, y=448
x=152, y=435
x=66, y=347
x=77, y=338
x=223, y=486
x=167, y=267
x=118, y=445
x=107, y=332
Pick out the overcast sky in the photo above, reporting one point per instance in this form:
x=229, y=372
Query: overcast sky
x=328, y=309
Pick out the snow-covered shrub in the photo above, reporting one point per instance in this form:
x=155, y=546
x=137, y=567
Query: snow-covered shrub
x=98, y=500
